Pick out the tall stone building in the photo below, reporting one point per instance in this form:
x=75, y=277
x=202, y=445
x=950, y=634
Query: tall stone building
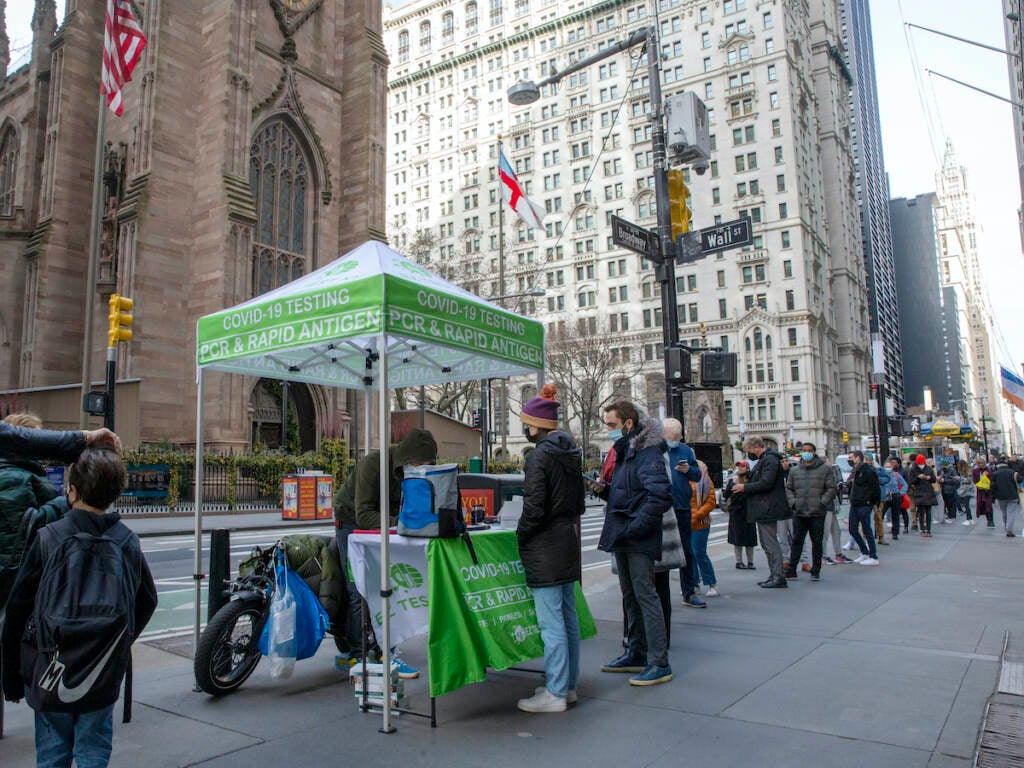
x=251, y=151
x=1013, y=15
x=961, y=274
x=777, y=84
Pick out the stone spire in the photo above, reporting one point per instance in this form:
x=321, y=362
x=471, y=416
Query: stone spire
x=44, y=27
x=5, y=41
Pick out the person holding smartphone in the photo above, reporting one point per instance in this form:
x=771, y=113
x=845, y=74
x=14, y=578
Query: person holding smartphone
x=683, y=470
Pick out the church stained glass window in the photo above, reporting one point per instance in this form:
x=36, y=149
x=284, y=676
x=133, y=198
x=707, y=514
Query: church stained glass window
x=279, y=181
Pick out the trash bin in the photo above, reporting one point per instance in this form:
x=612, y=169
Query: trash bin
x=476, y=465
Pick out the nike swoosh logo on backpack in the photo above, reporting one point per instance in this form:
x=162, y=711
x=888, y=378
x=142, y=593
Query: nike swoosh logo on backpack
x=71, y=695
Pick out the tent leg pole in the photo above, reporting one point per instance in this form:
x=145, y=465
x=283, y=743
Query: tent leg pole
x=197, y=575
x=385, y=522
x=367, y=419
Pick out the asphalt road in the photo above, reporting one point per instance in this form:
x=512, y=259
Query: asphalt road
x=170, y=560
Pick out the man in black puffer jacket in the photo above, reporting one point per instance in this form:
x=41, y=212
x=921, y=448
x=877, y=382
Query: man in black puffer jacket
x=549, y=545
x=865, y=494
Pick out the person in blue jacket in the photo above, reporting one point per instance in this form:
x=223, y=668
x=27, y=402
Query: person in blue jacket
x=682, y=469
x=637, y=497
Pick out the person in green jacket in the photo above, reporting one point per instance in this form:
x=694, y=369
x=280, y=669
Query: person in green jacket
x=357, y=506
x=28, y=501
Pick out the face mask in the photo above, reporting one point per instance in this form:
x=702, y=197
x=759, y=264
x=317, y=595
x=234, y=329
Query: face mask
x=672, y=443
x=752, y=456
x=807, y=456
x=614, y=435
x=531, y=438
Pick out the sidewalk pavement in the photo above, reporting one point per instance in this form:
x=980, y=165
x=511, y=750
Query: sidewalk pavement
x=873, y=666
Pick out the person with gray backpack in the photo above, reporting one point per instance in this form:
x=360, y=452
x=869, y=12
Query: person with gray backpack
x=67, y=650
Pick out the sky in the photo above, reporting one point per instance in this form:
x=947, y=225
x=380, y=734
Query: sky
x=980, y=126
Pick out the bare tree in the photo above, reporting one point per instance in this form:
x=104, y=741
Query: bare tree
x=590, y=369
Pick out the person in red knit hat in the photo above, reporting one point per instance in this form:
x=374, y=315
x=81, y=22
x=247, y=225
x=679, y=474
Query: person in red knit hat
x=549, y=545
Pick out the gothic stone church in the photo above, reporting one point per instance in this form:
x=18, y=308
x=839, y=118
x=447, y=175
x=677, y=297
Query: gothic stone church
x=251, y=151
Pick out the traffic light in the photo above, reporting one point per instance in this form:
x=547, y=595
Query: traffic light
x=718, y=369
x=476, y=418
x=120, y=319
x=680, y=369
x=678, y=193
x=846, y=437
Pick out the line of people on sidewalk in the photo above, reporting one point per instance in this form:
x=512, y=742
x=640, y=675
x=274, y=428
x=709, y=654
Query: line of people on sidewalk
x=659, y=499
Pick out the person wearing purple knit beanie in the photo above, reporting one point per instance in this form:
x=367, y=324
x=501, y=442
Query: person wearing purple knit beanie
x=549, y=545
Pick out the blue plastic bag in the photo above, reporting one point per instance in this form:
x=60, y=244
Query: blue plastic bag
x=310, y=622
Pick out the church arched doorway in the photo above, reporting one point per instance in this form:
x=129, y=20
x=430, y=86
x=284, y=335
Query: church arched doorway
x=265, y=409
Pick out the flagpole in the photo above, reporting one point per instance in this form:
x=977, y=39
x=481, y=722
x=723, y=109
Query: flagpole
x=503, y=405
x=94, y=255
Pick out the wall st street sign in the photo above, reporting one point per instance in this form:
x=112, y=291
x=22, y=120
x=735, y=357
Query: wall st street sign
x=731, y=234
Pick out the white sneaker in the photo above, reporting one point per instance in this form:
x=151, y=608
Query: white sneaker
x=570, y=697
x=869, y=561
x=545, y=701
x=847, y=546
x=860, y=559
x=712, y=592
x=967, y=522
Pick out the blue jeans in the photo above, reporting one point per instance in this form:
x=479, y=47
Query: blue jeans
x=87, y=737
x=560, y=631
x=702, y=567
x=860, y=519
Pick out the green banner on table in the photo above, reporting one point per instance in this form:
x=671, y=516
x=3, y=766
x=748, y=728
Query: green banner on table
x=482, y=615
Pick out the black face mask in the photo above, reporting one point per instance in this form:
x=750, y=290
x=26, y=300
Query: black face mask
x=752, y=456
x=528, y=436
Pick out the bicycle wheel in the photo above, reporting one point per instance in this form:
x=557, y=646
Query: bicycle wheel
x=227, y=652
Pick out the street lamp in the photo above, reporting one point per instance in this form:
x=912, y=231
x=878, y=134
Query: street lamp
x=528, y=92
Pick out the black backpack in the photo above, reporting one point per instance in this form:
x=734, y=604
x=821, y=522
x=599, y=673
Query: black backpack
x=76, y=648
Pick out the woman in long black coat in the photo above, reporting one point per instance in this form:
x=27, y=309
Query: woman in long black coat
x=741, y=533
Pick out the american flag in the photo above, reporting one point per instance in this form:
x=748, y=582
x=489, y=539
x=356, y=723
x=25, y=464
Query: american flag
x=123, y=42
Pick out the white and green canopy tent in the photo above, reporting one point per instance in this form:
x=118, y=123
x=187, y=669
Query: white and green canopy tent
x=370, y=320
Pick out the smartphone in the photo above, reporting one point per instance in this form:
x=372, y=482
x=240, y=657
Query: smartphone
x=596, y=480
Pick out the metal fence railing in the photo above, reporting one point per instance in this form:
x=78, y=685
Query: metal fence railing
x=224, y=487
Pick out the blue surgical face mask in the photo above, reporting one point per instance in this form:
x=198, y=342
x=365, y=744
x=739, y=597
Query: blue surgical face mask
x=807, y=456
x=672, y=443
x=614, y=434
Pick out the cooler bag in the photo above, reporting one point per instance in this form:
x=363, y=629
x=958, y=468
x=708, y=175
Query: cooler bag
x=430, y=502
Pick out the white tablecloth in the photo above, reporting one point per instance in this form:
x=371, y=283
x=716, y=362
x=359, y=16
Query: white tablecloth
x=409, y=615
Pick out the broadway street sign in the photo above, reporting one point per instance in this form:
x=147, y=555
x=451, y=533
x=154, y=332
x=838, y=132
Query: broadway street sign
x=635, y=238
x=731, y=234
